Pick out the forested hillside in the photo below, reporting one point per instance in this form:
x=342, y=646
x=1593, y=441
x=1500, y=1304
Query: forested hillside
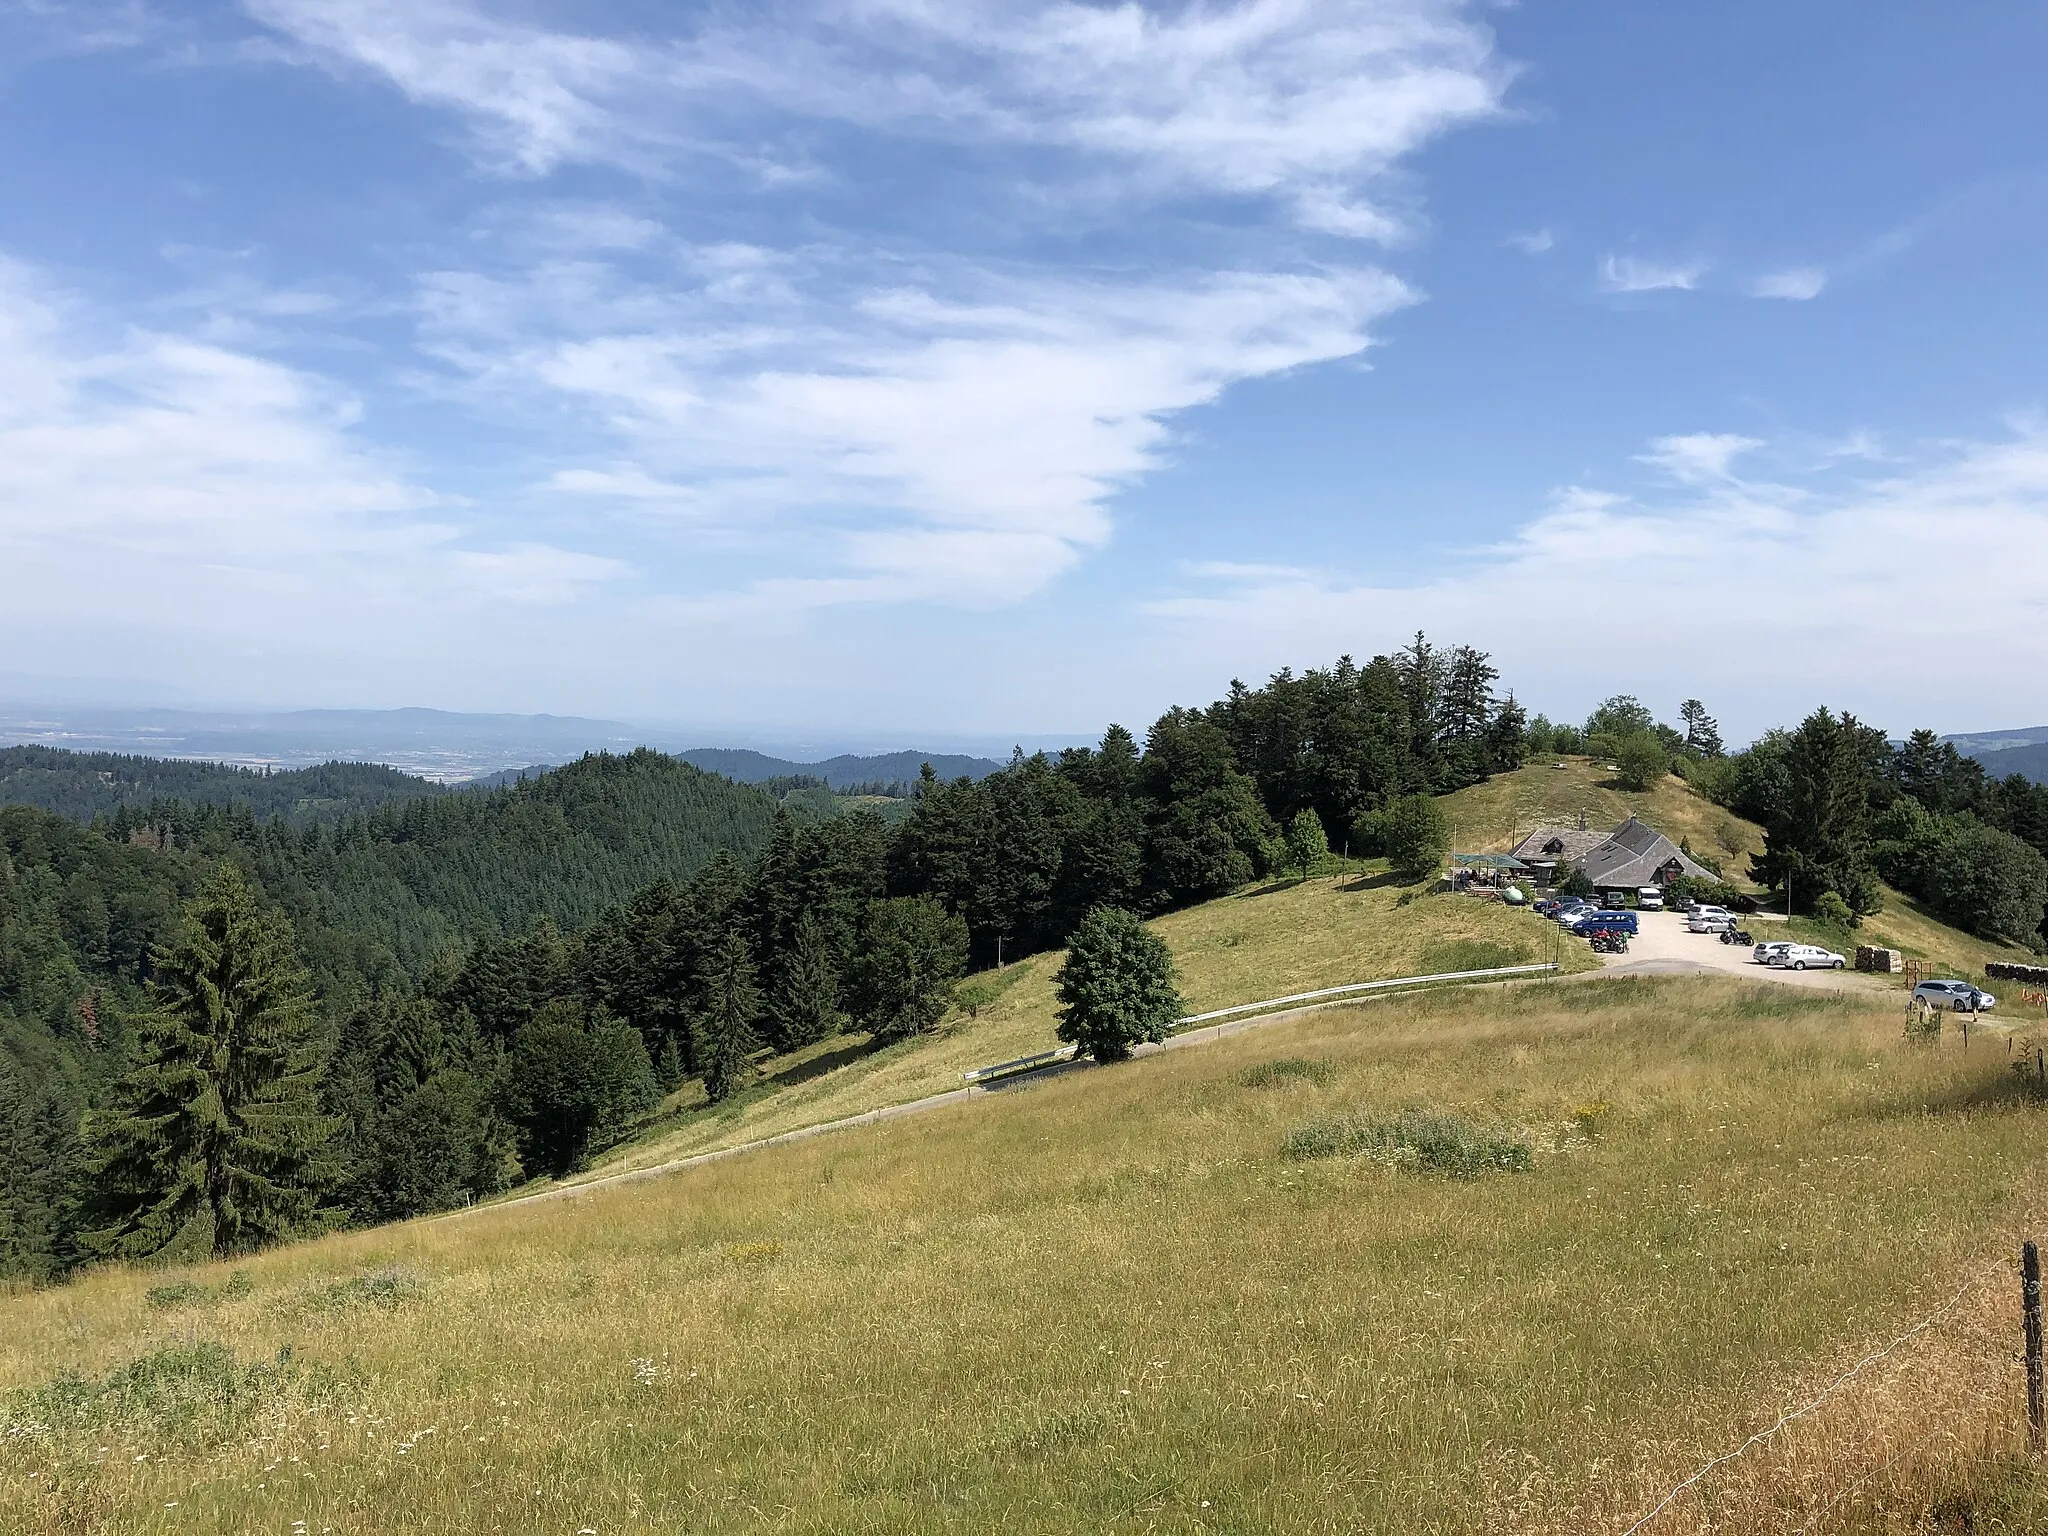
x=83, y=785
x=502, y=980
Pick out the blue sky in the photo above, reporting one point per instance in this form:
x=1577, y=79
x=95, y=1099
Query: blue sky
x=892, y=366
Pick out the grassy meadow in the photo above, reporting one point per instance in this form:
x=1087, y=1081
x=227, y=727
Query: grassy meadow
x=1267, y=941
x=1112, y=1301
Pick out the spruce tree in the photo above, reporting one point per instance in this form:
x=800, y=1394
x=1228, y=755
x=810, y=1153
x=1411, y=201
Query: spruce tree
x=805, y=1006
x=731, y=1004
x=220, y=1118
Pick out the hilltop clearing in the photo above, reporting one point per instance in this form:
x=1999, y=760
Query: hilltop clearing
x=1492, y=817
x=1512, y=1261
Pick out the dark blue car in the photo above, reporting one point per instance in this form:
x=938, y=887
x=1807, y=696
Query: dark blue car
x=1596, y=919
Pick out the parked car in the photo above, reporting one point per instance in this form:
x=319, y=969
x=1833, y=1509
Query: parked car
x=1568, y=906
x=1650, y=899
x=1957, y=996
x=1709, y=920
x=1806, y=957
x=1763, y=952
x=1601, y=919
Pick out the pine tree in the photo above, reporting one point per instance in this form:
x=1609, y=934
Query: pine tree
x=732, y=1004
x=221, y=1117
x=1702, y=731
x=805, y=1006
x=669, y=1071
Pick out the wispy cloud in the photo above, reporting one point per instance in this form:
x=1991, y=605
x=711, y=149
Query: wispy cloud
x=1306, y=103
x=1792, y=283
x=1534, y=243
x=1634, y=274
x=1698, y=458
x=911, y=427
x=910, y=413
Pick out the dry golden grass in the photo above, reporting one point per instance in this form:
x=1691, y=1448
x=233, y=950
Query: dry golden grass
x=1106, y=1302
x=1492, y=817
x=1265, y=942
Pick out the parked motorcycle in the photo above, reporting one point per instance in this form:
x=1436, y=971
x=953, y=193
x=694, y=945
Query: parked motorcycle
x=1738, y=936
x=1608, y=941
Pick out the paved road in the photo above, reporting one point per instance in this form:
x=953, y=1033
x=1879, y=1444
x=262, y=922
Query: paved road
x=1664, y=948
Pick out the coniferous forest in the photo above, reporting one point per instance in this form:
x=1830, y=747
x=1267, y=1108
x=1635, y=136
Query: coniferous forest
x=446, y=994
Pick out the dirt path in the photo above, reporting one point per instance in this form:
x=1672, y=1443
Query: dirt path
x=1665, y=948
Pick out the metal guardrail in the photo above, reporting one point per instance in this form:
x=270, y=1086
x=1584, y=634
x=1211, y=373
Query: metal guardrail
x=1067, y=1052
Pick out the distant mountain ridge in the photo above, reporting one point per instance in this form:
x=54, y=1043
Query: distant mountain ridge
x=846, y=771
x=2029, y=761
x=1977, y=743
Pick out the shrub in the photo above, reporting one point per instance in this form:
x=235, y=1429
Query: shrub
x=1117, y=985
x=1831, y=910
x=1270, y=1074
x=1417, y=1140
x=1641, y=759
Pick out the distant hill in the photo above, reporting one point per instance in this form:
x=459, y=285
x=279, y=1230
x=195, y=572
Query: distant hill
x=1977, y=743
x=438, y=744
x=82, y=785
x=843, y=772
x=2030, y=760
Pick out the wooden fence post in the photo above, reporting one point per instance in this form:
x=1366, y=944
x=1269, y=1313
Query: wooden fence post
x=2030, y=1307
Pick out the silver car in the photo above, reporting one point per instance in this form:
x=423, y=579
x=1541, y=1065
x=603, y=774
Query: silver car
x=1764, y=952
x=1954, y=996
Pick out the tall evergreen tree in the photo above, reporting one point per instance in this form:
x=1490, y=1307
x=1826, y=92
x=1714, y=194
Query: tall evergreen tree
x=220, y=1118
x=1702, y=730
x=732, y=1003
x=805, y=1004
x=1819, y=837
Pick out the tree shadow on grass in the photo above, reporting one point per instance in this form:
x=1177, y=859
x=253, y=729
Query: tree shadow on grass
x=825, y=1061
x=1380, y=881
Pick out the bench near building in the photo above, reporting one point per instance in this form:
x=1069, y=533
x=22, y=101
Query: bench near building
x=1619, y=863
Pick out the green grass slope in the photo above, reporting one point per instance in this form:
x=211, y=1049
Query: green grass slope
x=1113, y=1301
x=1267, y=941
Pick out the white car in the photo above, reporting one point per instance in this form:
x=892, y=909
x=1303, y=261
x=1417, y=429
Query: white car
x=1650, y=899
x=1954, y=996
x=1709, y=920
x=1764, y=952
x=1806, y=957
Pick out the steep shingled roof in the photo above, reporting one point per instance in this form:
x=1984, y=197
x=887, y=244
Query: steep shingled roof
x=1633, y=855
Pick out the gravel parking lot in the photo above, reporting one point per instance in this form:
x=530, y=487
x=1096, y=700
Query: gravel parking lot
x=1665, y=948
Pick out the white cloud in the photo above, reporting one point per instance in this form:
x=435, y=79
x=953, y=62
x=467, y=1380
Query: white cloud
x=1535, y=243
x=1792, y=283
x=1303, y=101
x=954, y=447
x=1631, y=274
x=161, y=493
x=1906, y=599
x=1698, y=458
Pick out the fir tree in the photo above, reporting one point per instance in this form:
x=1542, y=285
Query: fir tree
x=221, y=1117
x=732, y=1003
x=806, y=1001
x=1702, y=731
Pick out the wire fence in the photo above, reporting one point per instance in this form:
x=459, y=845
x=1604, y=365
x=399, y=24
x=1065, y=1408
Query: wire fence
x=1940, y=1314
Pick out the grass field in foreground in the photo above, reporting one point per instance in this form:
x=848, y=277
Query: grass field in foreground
x=1267, y=941
x=1110, y=1303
